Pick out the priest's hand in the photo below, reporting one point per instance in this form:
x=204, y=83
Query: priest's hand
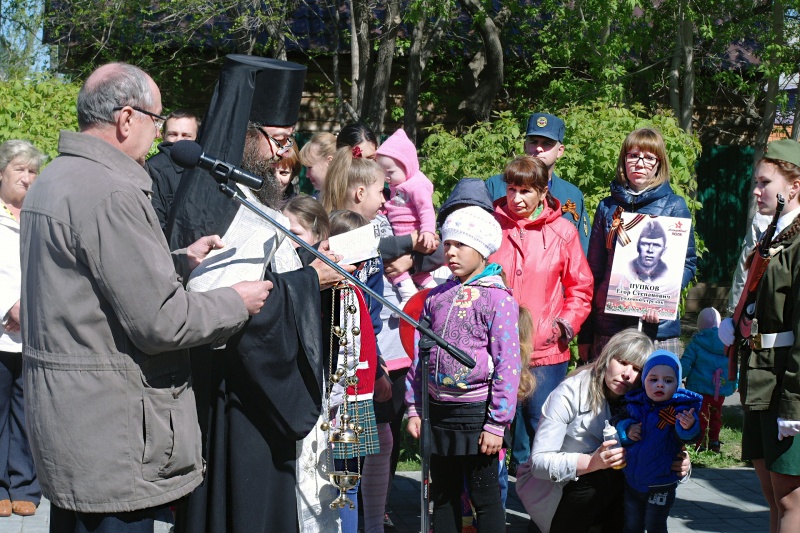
x=199, y=250
x=328, y=277
x=253, y=294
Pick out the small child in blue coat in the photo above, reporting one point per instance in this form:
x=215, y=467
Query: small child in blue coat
x=705, y=369
x=661, y=418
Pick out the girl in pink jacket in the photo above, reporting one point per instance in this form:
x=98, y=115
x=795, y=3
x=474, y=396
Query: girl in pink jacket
x=410, y=205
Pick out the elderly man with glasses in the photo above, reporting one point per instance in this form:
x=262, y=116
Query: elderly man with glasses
x=106, y=321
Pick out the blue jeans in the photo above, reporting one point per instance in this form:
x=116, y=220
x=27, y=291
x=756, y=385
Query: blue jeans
x=527, y=419
x=502, y=478
x=648, y=510
x=17, y=473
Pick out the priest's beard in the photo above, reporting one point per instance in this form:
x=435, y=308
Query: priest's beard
x=252, y=161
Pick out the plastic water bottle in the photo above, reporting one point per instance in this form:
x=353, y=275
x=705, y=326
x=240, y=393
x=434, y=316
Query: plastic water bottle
x=610, y=433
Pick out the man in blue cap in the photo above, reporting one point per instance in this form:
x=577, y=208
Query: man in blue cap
x=544, y=139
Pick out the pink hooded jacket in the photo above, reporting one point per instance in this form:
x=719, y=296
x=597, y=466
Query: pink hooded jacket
x=410, y=206
x=548, y=273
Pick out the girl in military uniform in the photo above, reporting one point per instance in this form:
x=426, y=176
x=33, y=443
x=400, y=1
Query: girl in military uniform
x=770, y=363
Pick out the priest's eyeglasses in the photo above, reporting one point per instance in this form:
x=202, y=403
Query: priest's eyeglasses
x=282, y=148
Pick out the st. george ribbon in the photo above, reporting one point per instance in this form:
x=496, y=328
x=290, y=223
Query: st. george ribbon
x=189, y=154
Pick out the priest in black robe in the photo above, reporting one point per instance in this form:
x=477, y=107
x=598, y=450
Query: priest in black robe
x=263, y=392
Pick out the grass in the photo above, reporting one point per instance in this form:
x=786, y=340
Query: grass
x=409, y=452
x=730, y=437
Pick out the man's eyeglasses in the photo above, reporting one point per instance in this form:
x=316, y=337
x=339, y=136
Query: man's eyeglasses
x=647, y=159
x=282, y=148
x=158, y=120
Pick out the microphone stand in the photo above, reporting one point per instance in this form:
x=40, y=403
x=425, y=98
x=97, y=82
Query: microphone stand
x=426, y=342
x=457, y=353
x=425, y=346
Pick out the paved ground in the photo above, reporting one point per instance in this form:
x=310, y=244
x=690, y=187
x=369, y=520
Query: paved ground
x=714, y=500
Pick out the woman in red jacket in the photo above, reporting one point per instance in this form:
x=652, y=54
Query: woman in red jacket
x=545, y=267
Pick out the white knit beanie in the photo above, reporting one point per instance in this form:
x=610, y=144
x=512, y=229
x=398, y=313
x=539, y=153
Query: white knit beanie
x=474, y=227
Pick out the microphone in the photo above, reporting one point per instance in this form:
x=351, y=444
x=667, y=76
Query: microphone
x=189, y=154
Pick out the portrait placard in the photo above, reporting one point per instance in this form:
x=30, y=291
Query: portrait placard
x=649, y=255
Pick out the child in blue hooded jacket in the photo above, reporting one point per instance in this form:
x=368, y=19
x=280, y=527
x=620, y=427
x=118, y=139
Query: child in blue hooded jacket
x=661, y=418
x=705, y=368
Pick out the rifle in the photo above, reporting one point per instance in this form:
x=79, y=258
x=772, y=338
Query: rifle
x=745, y=309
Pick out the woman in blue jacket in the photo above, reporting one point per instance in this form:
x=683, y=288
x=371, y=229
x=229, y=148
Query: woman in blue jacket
x=641, y=186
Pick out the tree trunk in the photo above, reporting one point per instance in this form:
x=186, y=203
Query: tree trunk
x=768, y=115
x=681, y=73
x=687, y=103
x=383, y=67
x=424, y=39
x=337, y=78
x=274, y=22
x=360, y=52
x=796, y=120
x=478, y=104
x=245, y=34
x=675, y=67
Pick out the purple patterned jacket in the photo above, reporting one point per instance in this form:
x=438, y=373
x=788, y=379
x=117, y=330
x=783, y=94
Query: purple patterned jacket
x=480, y=317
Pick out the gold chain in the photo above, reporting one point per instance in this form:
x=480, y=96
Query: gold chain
x=348, y=431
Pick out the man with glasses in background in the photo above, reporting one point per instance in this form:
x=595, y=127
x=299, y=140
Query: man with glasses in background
x=179, y=125
x=106, y=321
x=544, y=138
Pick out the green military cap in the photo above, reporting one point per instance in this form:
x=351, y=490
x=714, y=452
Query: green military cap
x=784, y=150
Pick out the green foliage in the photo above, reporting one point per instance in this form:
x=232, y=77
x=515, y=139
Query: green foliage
x=479, y=151
x=21, y=50
x=36, y=110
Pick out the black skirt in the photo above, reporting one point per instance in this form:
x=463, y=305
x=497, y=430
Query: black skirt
x=456, y=428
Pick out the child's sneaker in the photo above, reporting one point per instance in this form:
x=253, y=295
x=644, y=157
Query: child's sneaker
x=387, y=522
x=714, y=446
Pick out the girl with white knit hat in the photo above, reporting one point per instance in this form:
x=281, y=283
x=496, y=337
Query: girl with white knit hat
x=470, y=409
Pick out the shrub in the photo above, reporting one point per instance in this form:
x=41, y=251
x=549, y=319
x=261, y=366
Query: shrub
x=36, y=110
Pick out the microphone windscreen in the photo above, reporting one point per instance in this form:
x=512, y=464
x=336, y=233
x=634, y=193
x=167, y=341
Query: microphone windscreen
x=186, y=154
